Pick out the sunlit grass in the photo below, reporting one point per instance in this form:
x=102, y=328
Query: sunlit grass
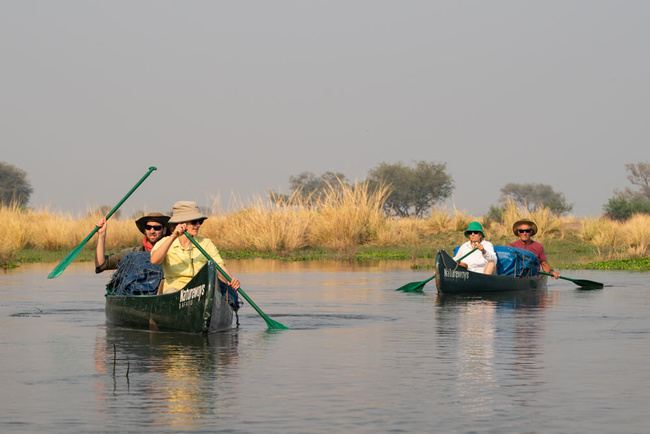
x=13, y=234
x=348, y=217
x=278, y=227
x=341, y=222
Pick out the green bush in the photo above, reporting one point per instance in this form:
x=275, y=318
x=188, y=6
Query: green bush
x=622, y=208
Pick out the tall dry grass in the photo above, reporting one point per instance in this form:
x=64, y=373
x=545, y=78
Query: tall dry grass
x=400, y=232
x=636, y=232
x=347, y=217
x=618, y=240
x=43, y=229
x=280, y=227
x=13, y=233
x=548, y=224
x=342, y=220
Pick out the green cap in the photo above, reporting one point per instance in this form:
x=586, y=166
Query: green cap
x=474, y=226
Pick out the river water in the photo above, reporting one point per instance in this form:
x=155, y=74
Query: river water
x=360, y=357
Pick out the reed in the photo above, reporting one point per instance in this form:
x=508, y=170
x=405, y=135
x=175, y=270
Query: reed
x=462, y=219
x=280, y=227
x=56, y=230
x=13, y=233
x=439, y=221
x=348, y=217
x=618, y=240
x=636, y=233
x=511, y=214
x=402, y=232
x=548, y=224
x=343, y=220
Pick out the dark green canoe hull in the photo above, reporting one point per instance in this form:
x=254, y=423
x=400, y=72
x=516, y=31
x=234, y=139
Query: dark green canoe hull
x=197, y=308
x=453, y=279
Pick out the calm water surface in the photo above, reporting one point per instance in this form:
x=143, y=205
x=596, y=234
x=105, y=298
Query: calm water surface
x=360, y=357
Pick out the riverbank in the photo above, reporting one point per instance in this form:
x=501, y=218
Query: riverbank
x=350, y=226
x=562, y=254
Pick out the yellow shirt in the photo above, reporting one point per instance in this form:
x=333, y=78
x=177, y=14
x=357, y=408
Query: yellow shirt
x=180, y=265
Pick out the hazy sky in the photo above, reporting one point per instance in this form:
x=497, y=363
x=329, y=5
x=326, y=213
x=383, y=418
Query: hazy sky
x=232, y=98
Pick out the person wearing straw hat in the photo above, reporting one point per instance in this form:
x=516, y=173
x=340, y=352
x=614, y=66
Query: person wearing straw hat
x=153, y=226
x=525, y=229
x=180, y=260
x=483, y=259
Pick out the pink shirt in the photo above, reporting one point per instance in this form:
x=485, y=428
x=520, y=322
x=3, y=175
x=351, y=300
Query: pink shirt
x=534, y=247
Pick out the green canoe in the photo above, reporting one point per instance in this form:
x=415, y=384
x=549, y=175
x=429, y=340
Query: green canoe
x=454, y=279
x=197, y=308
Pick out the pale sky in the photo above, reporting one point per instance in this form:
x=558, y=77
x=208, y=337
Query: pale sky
x=231, y=98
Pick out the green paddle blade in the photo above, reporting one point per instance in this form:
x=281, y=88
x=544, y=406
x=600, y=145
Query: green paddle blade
x=272, y=324
x=585, y=284
x=269, y=322
x=415, y=286
x=58, y=270
x=419, y=286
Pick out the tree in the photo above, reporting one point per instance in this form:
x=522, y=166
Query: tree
x=14, y=186
x=413, y=190
x=310, y=187
x=622, y=208
x=639, y=176
x=628, y=202
x=534, y=197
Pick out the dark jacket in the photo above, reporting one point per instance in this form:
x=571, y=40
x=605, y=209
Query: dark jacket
x=111, y=261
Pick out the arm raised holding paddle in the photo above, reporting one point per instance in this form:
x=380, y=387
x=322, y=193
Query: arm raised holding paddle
x=179, y=259
x=60, y=268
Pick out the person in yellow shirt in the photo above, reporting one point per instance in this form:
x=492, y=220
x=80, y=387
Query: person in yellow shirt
x=179, y=258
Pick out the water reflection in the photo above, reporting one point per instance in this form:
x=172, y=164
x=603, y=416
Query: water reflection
x=497, y=340
x=504, y=300
x=174, y=378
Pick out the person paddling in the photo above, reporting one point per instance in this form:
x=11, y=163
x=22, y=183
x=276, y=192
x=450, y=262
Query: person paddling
x=180, y=261
x=484, y=259
x=525, y=230
x=153, y=226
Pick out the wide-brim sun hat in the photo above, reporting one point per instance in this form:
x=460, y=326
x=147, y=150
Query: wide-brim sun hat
x=151, y=217
x=474, y=226
x=518, y=223
x=186, y=211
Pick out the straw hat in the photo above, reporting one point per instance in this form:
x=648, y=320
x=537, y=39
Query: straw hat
x=185, y=211
x=474, y=226
x=151, y=217
x=532, y=225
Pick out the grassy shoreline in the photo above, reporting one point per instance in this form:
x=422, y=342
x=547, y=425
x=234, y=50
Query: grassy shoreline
x=348, y=224
x=563, y=254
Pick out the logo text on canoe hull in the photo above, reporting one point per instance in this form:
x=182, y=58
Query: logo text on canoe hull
x=188, y=296
x=456, y=274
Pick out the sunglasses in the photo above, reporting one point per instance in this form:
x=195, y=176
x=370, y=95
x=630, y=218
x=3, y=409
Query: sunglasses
x=524, y=231
x=196, y=222
x=154, y=227
x=474, y=232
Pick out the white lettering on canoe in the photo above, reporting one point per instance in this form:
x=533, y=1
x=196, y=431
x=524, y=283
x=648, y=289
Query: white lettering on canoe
x=187, y=295
x=455, y=274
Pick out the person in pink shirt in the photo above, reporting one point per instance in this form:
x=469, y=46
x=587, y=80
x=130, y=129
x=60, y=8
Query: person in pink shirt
x=525, y=229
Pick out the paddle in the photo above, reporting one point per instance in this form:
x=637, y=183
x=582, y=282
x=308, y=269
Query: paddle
x=418, y=286
x=269, y=322
x=589, y=284
x=73, y=254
